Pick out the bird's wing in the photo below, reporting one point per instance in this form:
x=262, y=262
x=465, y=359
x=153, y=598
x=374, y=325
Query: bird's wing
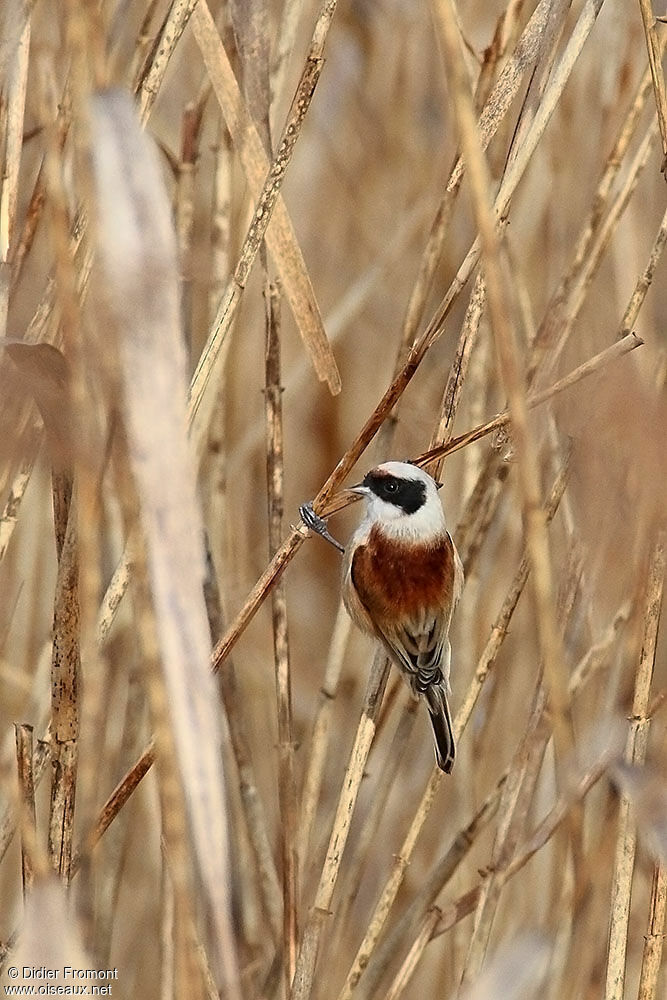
x=420, y=647
x=419, y=644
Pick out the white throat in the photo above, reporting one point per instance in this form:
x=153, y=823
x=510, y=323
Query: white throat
x=425, y=525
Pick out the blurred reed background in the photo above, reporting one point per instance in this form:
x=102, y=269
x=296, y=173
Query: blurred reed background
x=293, y=837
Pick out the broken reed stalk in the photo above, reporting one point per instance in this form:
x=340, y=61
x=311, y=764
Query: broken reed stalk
x=275, y=495
x=635, y=753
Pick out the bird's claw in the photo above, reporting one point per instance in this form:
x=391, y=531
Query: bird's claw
x=317, y=524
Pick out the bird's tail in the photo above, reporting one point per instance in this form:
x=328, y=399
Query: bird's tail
x=441, y=720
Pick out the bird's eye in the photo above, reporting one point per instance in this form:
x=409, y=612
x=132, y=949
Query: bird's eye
x=391, y=487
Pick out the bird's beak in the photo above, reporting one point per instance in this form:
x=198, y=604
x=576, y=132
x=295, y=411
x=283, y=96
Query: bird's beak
x=359, y=490
x=438, y=485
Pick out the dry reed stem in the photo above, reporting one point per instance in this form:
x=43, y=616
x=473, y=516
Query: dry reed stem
x=41, y=757
x=604, y=234
x=115, y=802
x=265, y=180
x=635, y=753
x=513, y=378
x=419, y=348
x=654, y=49
x=514, y=804
x=372, y=832
x=137, y=288
x=152, y=73
x=184, y=208
x=167, y=936
x=322, y=503
x=407, y=926
x=443, y=871
x=519, y=163
x=288, y=549
x=495, y=109
x=174, y=830
x=501, y=624
x=645, y=279
x=269, y=884
x=307, y=957
x=458, y=371
x=221, y=208
x=655, y=935
x=557, y=312
x=26, y=776
x=577, y=790
x=65, y=667
x=12, y=112
x=402, y=859
x=286, y=771
x=319, y=742
x=412, y=959
x=629, y=343
x=65, y=659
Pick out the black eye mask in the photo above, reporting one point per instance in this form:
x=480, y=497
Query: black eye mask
x=408, y=494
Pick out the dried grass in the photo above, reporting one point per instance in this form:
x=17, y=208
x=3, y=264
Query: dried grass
x=462, y=206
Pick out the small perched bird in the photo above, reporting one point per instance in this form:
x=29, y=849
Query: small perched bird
x=402, y=579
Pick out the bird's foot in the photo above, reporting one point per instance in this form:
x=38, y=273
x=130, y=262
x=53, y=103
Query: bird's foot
x=317, y=524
